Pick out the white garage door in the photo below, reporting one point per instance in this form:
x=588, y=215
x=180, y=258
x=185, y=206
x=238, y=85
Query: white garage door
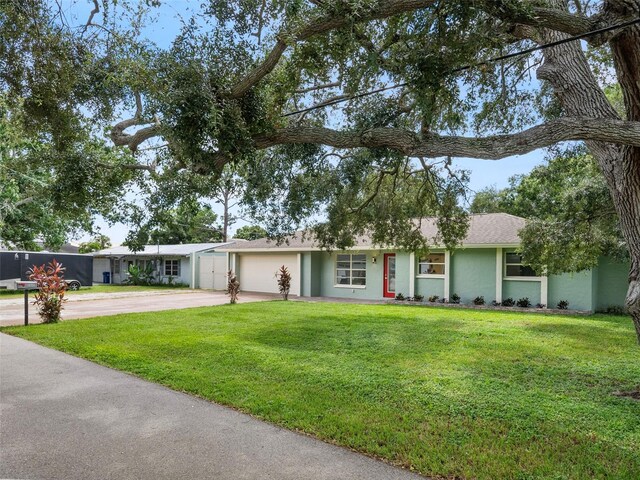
x=213, y=272
x=257, y=272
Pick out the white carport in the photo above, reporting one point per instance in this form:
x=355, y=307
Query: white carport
x=175, y=263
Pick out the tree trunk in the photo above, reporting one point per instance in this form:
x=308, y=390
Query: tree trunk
x=626, y=56
x=225, y=219
x=567, y=70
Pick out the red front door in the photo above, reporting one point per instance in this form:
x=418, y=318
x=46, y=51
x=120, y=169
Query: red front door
x=389, y=281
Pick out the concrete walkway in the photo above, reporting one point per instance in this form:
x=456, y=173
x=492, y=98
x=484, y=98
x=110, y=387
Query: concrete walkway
x=67, y=418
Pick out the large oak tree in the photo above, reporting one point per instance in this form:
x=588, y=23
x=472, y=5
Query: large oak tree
x=221, y=94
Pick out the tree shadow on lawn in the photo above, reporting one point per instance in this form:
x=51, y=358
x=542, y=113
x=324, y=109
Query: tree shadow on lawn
x=352, y=333
x=598, y=333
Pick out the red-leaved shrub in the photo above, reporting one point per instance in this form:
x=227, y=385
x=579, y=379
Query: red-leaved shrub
x=51, y=289
x=284, y=281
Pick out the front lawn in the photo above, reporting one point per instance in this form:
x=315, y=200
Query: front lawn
x=452, y=393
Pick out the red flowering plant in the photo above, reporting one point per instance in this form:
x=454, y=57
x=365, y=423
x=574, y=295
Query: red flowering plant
x=51, y=290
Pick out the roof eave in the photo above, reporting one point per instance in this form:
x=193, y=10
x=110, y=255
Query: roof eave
x=357, y=248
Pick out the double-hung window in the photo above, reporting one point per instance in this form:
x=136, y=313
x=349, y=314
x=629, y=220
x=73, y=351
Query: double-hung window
x=351, y=269
x=515, y=268
x=172, y=268
x=432, y=264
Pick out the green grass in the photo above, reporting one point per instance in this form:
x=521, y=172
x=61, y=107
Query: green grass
x=94, y=289
x=464, y=393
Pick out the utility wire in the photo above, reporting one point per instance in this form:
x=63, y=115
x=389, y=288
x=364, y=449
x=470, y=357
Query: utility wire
x=468, y=67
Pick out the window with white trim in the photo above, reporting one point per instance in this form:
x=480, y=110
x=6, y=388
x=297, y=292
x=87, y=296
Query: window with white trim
x=116, y=266
x=432, y=264
x=172, y=268
x=515, y=268
x=351, y=269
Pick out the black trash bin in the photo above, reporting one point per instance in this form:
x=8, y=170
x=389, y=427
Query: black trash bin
x=106, y=277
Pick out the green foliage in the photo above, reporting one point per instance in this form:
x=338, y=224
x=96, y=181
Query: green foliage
x=141, y=276
x=562, y=305
x=572, y=220
x=488, y=200
x=98, y=242
x=479, y=300
x=75, y=81
x=448, y=393
x=189, y=222
x=51, y=289
x=49, y=193
x=523, y=302
x=508, y=302
x=250, y=232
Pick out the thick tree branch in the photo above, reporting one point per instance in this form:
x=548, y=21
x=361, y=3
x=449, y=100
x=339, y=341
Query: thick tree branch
x=24, y=201
x=93, y=13
x=563, y=21
x=488, y=148
x=322, y=24
x=132, y=140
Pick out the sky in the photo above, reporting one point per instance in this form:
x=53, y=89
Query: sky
x=484, y=173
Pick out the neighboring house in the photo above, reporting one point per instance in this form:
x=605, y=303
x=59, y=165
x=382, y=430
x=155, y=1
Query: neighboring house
x=195, y=264
x=486, y=265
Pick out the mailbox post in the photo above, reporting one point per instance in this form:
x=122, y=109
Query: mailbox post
x=26, y=286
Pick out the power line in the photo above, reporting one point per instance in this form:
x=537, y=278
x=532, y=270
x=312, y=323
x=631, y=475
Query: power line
x=468, y=67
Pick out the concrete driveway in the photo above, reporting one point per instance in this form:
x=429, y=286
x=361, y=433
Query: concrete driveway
x=67, y=418
x=92, y=305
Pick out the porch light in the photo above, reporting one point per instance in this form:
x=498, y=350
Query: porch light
x=374, y=260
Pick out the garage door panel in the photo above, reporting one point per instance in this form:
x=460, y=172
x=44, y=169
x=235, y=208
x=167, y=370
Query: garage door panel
x=257, y=272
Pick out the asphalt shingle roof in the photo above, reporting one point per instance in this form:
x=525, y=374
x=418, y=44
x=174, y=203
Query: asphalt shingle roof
x=484, y=229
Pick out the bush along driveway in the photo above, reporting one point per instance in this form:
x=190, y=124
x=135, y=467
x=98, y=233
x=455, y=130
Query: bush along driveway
x=451, y=393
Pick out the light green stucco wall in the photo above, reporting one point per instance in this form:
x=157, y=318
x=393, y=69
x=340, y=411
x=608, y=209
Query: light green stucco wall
x=311, y=273
x=373, y=289
x=575, y=288
x=473, y=273
x=517, y=289
x=429, y=286
x=612, y=283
